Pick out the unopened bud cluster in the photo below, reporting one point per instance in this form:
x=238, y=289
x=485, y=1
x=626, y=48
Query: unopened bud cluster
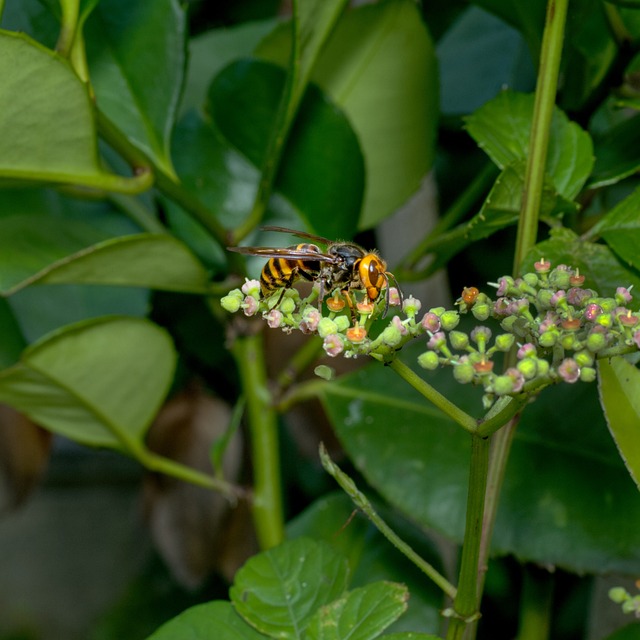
x=557, y=327
x=629, y=603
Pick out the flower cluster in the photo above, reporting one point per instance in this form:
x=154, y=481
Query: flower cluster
x=556, y=326
x=629, y=603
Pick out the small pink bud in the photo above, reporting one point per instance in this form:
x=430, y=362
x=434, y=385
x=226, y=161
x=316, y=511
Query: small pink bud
x=569, y=370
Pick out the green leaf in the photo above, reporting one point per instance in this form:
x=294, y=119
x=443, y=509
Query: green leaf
x=279, y=590
x=603, y=270
x=47, y=129
x=567, y=499
x=629, y=632
x=13, y=341
x=361, y=614
x=213, y=50
x=371, y=557
x=410, y=635
x=37, y=249
x=136, y=57
x=619, y=382
x=500, y=209
x=322, y=168
x=215, y=619
x=480, y=55
x=621, y=229
x=616, y=153
x=380, y=45
x=502, y=128
x=99, y=382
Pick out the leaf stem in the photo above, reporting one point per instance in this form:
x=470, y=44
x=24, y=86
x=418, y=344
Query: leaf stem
x=536, y=602
x=361, y=501
x=69, y=23
x=546, y=87
x=466, y=421
x=466, y=605
x=248, y=351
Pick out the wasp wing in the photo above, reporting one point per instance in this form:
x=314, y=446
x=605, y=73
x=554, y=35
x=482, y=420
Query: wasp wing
x=299, y=234
x=293, y=254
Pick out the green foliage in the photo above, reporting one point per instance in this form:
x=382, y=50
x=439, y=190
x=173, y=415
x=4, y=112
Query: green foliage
x=139, y=140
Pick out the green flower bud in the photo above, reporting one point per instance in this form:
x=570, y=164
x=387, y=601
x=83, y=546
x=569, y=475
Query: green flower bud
x=548, y=339
x=459, y=340
x=570, y=342
x=463, y=372
x=618, y=594
x=560, y=279
x=325, y=372
x=502, y=385
x=528, y=368
x=342, y=323
x=605, y=320
x=504, y=341
x=327, y=327
x=544, y=298
x=508, y=323
x=391, y=336
x=587, y=374
x=481, y=311
x=596, y=341
x=438, y=311
x=231, y=303
x=583, y=358
x=607, y=304
x=449, y=320
x=288, y=305
x=531, y=279
x=429, y=360
x=542, y=366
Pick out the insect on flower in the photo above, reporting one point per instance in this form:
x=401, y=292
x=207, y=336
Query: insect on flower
x=343, y=265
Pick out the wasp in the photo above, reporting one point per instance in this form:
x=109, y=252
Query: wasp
x=343, y=265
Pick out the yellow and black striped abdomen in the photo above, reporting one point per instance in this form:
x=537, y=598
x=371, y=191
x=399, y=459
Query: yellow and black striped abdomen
x=280, y=272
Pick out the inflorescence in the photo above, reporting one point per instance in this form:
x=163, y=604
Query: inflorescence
x=557, y=327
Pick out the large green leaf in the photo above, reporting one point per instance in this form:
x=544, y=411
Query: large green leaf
x=619, y=383
x=37, y=249
x=502, y=128
x=13, y=341
x=567, y=498
x=279, y=590
x=215, y=619
x=361, y=614
x=379, y=66
x=47, y=128
x=604, y=272
x=621, y=229
x=321, y=171
x=372, y=557
x=136, y=56
x=616, y=153
x=480, y=55
x=99, y=382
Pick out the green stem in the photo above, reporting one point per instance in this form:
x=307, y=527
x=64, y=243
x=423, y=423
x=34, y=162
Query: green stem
x=302, y=358
x=539, y=142
x=466, y=421
x=360, y=500
x=466, y=605
x=69, y=23
x=536, y=603
x=501, y=412
x=248, y=352
x=1, y=9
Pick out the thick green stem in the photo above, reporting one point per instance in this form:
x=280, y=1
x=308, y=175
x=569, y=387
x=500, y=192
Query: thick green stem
x=268, y=517
x=466, y=605
x=466, y=421
x=539, y=142
x=360, y=500
x=536, y=603
x=69, y=24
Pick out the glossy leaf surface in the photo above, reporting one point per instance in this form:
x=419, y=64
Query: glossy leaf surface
x=619, y=382
x=502, y=128
x=215, y=619
x=379, y=66
x=361, y=614
x=322, y=170
x=279, y=590
x=616, y=152
x=136, y=56
x=47, y=130
x=567, y=498
x=98, y=382
x=38, y=249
